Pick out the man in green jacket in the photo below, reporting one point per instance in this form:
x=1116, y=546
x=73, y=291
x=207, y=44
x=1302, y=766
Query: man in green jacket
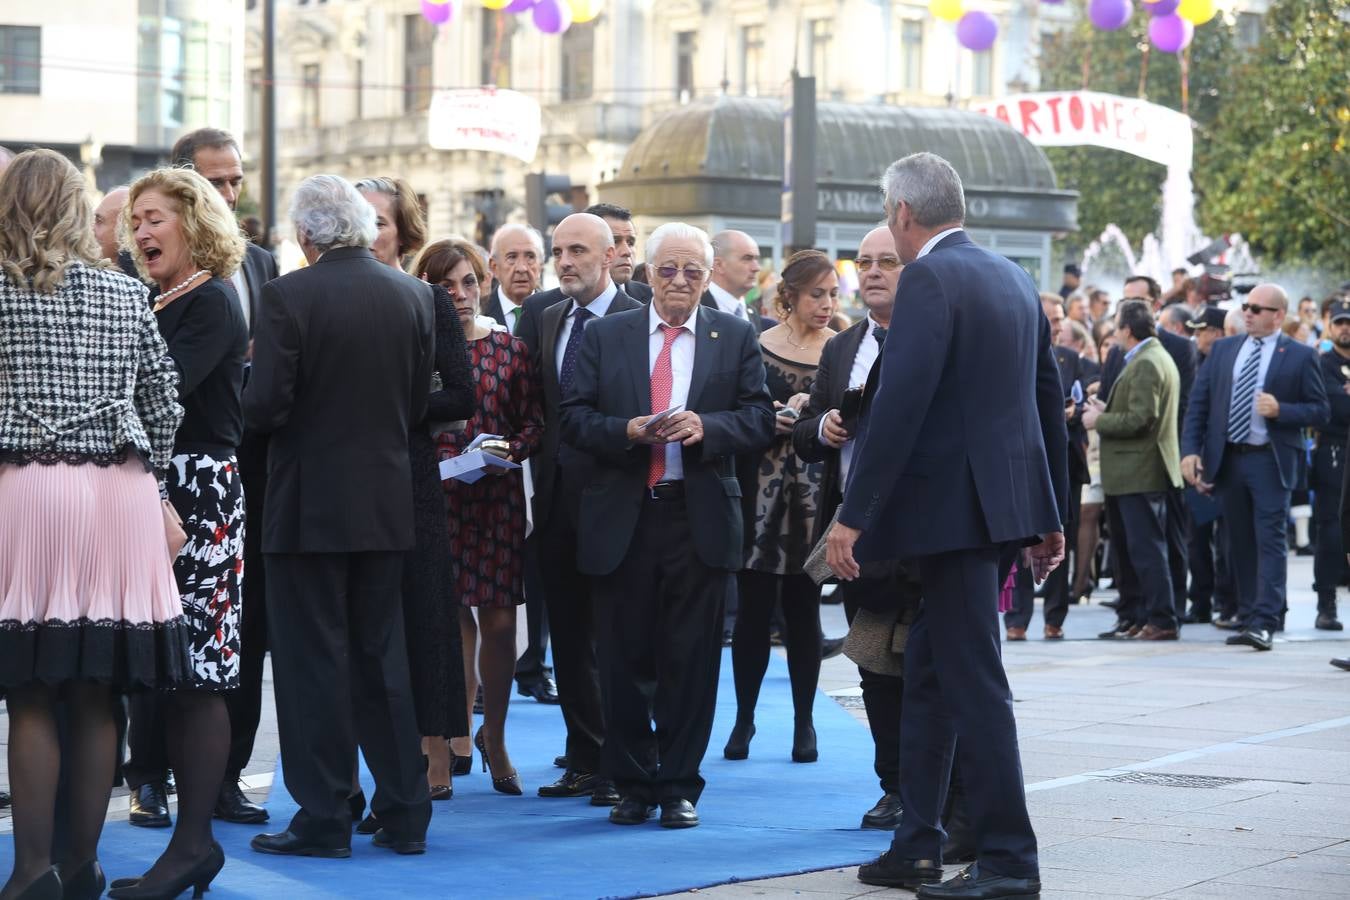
x=1140, y=463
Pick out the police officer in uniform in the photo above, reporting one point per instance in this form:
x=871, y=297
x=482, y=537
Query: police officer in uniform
x=1329, y=567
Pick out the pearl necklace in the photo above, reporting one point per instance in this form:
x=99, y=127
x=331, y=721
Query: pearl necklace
x=162, y=300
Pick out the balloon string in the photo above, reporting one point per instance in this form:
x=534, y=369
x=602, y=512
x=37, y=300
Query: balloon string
x=1186, y=80
x=1143, y=73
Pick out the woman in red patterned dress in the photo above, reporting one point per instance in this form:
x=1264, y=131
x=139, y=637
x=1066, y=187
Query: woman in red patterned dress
x=487, y=518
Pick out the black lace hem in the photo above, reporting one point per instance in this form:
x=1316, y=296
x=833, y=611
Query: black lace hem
x=52, y=457
x=128, y=656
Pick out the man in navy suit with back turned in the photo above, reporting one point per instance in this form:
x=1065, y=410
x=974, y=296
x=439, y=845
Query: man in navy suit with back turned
x=1244, y=433
x=961, y=466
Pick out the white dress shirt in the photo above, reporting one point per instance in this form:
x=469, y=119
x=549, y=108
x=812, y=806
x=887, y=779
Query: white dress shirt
x=863, y=360
x=728, y=303
x=682, y=370
x=241, y=288
x=1258, y=434
x=508, y=307
x=935, y=240
x=599, y=306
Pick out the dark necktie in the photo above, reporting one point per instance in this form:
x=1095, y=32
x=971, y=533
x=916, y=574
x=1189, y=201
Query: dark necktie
x=515, y=319
x=569, y=363
x=879, y=333
x=1244, y=395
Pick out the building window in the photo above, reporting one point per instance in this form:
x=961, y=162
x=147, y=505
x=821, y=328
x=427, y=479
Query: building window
x=498, y=29
x=359, y=76
x=578, y=61
x=982, y=79
x=911, y=42
x=821, y=36
x=172, y=55
x=253, y=110
x=1248, y=32
x=20, y=59
x=418, y=36
x=752, y=59
x=309, y=98
x=686, y=45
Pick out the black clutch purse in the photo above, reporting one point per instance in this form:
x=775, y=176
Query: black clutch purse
x=849, y=408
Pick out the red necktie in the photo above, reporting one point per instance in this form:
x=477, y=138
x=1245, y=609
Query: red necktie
x=662, y=379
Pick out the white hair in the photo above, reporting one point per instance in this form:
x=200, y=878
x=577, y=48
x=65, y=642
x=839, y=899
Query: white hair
x=679, y=231
x=330, y=212
x=929, y=185
x=516, y=228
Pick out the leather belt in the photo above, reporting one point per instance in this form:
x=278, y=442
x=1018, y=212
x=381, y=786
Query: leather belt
x=1246, y=448
x=667, y=490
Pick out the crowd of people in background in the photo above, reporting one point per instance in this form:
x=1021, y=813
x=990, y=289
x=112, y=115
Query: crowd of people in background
x=677, y=435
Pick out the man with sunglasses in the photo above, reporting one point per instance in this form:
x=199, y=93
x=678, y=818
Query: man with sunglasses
x=1243, y=437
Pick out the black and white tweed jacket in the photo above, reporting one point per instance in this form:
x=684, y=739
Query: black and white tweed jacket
x=84, y=373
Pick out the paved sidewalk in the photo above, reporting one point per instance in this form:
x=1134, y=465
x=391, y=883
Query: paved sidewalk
x=1176, y=770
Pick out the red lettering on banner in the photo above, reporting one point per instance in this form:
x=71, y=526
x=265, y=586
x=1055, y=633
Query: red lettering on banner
x=1001, y=113
x=1098, y=109
x=1053, y=104
x=1028, y=109
x=1076, y=117
x=1140, y=120
x=1118, y=114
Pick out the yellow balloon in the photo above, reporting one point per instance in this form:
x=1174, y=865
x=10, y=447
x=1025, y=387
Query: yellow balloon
x=584, y=10
x=951, y=10
x=1198, y=12
x=490, y=4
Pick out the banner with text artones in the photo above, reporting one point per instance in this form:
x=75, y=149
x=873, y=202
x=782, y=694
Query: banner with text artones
x=1075, y=118
x=488, y=119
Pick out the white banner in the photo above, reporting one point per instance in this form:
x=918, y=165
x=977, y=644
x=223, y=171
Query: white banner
x=487, y=119
x=1073, y=118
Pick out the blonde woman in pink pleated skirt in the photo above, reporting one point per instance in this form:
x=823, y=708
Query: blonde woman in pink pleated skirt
x=88, y=603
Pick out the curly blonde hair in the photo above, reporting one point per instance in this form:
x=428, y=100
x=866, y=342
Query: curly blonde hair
x=46, y=220
x=212, y=235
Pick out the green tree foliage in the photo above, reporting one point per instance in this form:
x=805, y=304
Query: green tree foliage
x=1115, y=187
x=1278, y=155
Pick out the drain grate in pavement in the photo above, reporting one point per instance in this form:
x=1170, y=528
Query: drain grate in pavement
x=1168, y=779
x=848, y=701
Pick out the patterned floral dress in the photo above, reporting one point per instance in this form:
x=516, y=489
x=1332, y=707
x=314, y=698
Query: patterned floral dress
x=487, y=518
x=786, y=490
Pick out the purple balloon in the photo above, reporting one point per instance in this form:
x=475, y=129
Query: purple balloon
x=1110, y=14
x=1170, y=33
x=976, y=31
x=436, y=13
x=520, y=6
x=552, y=16
x=1161, y=7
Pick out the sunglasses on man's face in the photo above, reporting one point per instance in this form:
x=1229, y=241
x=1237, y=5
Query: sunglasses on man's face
x=887, y=263
x=1253, y=308
x=691, y=273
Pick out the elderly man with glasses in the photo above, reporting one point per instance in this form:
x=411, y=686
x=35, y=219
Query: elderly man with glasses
x=1243, y=437
x=663, y=399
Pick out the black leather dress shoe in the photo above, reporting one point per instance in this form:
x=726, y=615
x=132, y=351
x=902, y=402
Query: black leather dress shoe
x=630, y=811
x=1256, y=638
x=605, y=793
x=150, y=806
x=542, y=690
x=890, y=870
x=356, y=804
x=233, y=806
x=885, y=815
x=368, y=825
x=398, y=845
x=4, y=799
x=288, y=843
x=1227, y=624
x=678, y=813
x=1341, y=662
x=831, y=647
x=1328, y=622
x=971, y=885
x=560, y=762
x=572, y=784
x=959, y=846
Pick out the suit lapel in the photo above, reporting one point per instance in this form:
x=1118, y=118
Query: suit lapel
x=706, y=342
x=1281, y=345
x=638, y=363
x=843, y=367
x=550, y=325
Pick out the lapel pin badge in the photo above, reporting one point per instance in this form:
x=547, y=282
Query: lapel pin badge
x=713, y=335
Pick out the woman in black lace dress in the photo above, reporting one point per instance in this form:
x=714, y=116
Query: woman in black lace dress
x=430, y=604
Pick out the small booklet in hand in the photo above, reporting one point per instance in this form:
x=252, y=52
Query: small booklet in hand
x=474, y=462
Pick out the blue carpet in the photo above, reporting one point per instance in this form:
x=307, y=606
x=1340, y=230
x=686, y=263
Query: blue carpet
x=761, y=817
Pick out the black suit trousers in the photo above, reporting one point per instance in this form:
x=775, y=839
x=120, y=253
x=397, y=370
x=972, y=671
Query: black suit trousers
x=660, y=640
x=882, y=694
x=245, y=704
x=1328, y=470
x=1143, y=539
x=955, y=685
x=571, y=616
x=1178, y=544
x=530, y=667
x=1057, y=597
x=340, y=666
x=147, y=741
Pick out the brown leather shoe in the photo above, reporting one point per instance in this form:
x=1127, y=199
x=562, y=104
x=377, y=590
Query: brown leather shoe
x=1154, y=633
x=1054, y=633
x=1134, y=631
x=1017, y=634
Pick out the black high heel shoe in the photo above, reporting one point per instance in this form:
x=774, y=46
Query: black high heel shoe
x=804, y=743
x=508, y=784
x=46, y=887
x=461, y=765
x=84, y=883
x=199, y=878
x=738, y=744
